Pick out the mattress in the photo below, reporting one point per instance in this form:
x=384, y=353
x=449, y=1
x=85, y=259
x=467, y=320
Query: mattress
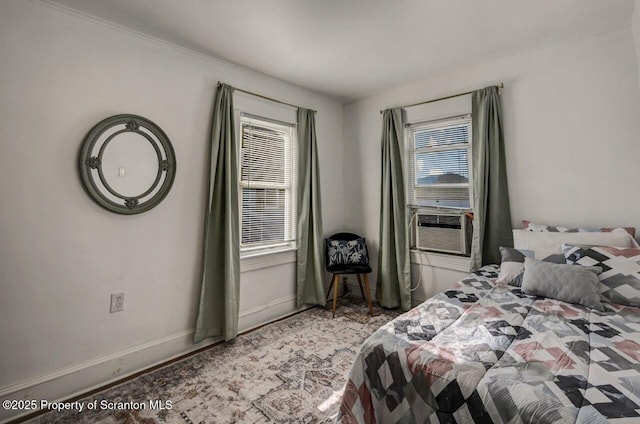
x=486, y=353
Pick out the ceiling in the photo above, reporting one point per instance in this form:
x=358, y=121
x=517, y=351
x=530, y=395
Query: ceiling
x=350, y=49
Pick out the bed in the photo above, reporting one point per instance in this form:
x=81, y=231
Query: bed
x=486, y=352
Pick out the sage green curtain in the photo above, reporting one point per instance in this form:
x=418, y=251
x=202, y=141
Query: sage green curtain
x=310, y=242
x=219, y=296
x=492, y=215
x=394, y=279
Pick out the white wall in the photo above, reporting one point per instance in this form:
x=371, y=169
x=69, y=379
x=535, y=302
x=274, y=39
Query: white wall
x=61, y=255
x=571, y=126
x=572, y=129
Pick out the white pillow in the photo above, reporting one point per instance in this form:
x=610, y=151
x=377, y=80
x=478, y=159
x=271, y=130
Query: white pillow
x=547, y=243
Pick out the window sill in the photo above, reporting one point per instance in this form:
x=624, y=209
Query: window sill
x=441, y=260
x=266, y=259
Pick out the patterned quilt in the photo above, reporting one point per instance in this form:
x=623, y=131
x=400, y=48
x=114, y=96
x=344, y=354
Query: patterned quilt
x=481, y=353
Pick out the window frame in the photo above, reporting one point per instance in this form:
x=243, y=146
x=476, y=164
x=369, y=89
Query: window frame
x=291, y=160
x=411, y=161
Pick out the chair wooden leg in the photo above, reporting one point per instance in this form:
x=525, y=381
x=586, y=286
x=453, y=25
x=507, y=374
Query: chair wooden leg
x=360, y=284
x=366, y=285
x=330, y=286
x=336, y=287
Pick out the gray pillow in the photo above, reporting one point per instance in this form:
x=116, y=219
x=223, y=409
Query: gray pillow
x=512, y=265
x=568, y=283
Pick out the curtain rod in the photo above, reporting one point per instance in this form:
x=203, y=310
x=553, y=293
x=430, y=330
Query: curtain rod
x=501, y=85
x=267, y=98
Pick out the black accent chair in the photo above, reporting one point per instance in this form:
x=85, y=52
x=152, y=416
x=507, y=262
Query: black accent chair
x=360, y=270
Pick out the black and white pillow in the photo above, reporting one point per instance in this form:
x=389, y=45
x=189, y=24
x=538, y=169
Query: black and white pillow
x=544, y=228
x=619, y=281
x=343, y=252
x=512, y=265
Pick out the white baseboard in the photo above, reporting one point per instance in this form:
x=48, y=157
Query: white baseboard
x=73, y=381
x=355, y=289
x=267, y=313
x=415, y=301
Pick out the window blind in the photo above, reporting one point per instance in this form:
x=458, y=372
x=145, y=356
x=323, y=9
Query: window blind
x=439, y=163
x=267, y=190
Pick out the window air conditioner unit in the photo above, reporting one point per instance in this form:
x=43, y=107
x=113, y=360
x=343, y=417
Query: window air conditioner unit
x=450, y=233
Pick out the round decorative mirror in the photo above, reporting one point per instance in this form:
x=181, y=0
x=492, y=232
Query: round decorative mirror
x=127, y=164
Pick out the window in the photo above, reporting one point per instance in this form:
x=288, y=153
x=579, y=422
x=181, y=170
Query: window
x=439, y=163
x=267, y=188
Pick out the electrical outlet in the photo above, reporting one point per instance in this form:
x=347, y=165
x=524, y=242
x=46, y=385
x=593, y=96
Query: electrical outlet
x=117, y=302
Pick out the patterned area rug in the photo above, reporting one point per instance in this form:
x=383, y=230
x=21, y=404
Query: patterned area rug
x=291, y=371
